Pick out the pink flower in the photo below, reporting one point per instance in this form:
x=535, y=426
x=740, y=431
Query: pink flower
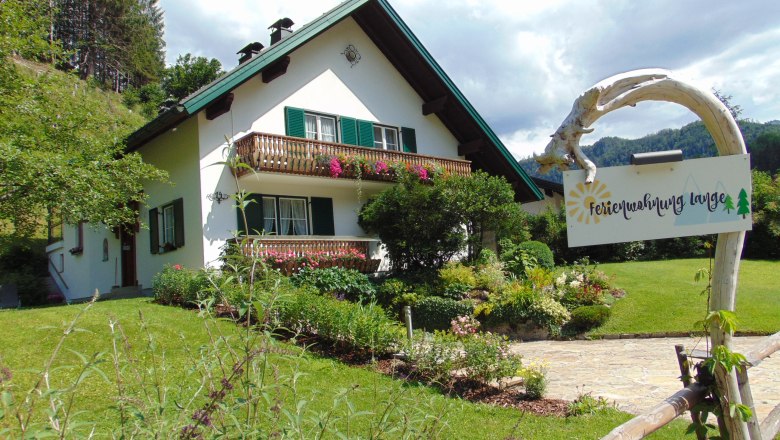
x=381, y=167
x=335, y=167
x=177, y=267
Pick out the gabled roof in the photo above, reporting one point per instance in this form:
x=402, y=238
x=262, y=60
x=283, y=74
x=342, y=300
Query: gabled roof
x=397, y=42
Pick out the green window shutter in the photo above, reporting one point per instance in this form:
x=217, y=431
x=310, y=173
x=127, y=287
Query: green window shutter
x=294, y=122
x=409, y=139
x=322, y=216
x=365, y=133
x=349, y=132
x=254, y=215
x=178, y=223
x=154, y=231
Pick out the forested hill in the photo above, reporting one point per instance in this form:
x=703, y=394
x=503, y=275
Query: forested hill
x=762, y=140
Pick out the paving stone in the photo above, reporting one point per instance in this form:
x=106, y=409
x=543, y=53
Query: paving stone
x=636, y=373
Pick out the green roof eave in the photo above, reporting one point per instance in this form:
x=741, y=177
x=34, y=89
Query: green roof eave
x=461, y=98
x=242, y=73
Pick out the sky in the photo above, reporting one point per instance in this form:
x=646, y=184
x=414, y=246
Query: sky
x=522, y=63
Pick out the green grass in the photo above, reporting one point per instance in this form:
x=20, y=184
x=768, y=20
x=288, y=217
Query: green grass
x=663, y=297
x=31, y=335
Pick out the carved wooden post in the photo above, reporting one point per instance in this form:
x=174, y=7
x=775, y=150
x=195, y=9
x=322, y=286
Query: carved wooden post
x=627, y=89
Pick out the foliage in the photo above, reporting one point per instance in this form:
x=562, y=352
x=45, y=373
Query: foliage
x=487, y=358
x=763, y=152
x=425, y=232
x=483, y=203
x=24, y=30
x=145, y=99
x=116, y=42
x=540, y=252
x=583, y=285
x=489, y=272
x=429, y=219
x=587, y=405
x=23, y=263
x=61, y=149
x=339, y=282
x=463, y=326
x=519, y=302
x=435, y=356
x=437, y=313
x=362, y=327
x=456, y=279
x=534, y=380
x=178, y=285
x=584, y=318
x=762, y=241
x=188, y=75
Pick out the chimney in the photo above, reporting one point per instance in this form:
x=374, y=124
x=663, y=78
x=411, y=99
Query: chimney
x=249, y=51
x=281, y=30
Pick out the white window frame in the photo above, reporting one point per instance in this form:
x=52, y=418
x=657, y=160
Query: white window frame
x=168, y=226
x=318, y=134
x=382, y=141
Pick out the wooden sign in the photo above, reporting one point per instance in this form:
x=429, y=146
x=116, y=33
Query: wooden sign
x=646, y=202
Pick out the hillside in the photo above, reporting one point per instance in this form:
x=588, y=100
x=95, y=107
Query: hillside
x=762, y=139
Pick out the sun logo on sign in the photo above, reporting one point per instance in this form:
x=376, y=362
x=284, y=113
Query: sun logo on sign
x=581, y=198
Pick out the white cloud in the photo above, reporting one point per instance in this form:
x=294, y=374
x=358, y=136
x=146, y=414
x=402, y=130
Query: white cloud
x=523, y=63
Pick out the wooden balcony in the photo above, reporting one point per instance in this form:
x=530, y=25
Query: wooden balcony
x=317, y=251
x=283, y=154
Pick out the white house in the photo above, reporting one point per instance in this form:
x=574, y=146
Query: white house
x=355, y=82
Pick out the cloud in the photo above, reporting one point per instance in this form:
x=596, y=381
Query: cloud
x=522, y=64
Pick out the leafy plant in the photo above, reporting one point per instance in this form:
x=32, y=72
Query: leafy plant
x=584, y=318
x=176, y=284
x=585, y=404
x=437, y=313
x=534, y=380
x=487, y=357
x=342, y=283
x=454, y=273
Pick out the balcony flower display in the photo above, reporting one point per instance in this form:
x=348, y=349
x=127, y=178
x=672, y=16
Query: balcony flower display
x=343, y=166
x=291, y=262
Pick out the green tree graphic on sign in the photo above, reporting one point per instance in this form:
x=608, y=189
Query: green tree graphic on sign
x=743, y=203
x=728, y=204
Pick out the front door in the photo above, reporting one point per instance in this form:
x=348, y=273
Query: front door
x=129, y=276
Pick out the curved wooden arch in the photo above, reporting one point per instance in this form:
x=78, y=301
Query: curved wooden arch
x=627, y=89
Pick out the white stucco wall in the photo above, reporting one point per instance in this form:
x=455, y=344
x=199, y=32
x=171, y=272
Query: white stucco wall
x=175, y=151
x=553, y=202
x=87, y=271
x=318, y=79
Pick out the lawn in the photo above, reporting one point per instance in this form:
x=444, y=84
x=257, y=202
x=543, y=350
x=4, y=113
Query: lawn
x=361, y=401
x=663, y=297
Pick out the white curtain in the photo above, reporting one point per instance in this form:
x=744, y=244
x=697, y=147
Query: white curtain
x=328, y=126
x=299, y=217
x=311, y=127
x=269, y=215
x=285, y=215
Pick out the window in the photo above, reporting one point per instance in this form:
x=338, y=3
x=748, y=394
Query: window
x=385, y=138
x=287, y=215
x=166, y=227
x=168, y=230
x=292, y=216
x=320, y=127
x=269, y=215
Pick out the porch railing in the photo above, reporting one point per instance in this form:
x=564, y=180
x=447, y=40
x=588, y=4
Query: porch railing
x=324, y=251
x=270, y=152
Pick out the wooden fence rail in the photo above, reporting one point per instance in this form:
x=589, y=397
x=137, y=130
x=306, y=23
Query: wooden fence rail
x=684, y=400
x=270, y=152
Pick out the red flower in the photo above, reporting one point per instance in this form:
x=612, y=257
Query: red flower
x=177, y=267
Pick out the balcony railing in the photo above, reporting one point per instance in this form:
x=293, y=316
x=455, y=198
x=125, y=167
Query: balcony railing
x=283, y=154
x=324, y=252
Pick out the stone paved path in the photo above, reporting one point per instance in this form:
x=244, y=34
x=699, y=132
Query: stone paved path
x=636, y=374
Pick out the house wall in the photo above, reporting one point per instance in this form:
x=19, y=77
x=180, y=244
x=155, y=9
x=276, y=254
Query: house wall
x=320, y=79
x=87, y=271
x=176, y=152
x=553, y=202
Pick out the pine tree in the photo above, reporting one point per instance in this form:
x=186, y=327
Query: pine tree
x=743, y=203
x=728, y=204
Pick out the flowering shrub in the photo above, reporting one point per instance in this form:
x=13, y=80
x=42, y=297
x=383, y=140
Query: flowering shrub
x=488, y=358
x=463, y=326
x=178, y=285
x=359, y=167
x=583, y=285
x=534, y=380
x=312, y=259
